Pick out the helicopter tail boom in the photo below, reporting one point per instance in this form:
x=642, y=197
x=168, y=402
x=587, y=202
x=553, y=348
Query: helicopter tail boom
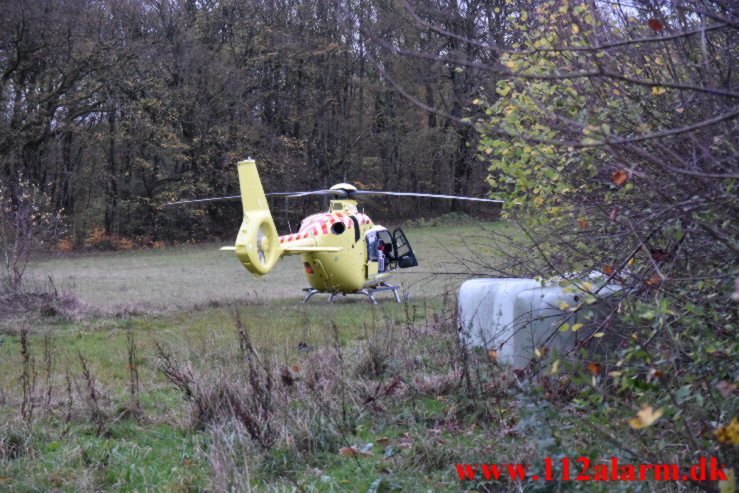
x=294, y=250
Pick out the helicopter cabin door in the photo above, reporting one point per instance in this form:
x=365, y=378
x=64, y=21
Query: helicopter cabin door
x=403, y=252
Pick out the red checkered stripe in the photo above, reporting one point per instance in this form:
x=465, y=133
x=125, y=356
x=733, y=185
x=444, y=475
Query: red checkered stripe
x=319, y=224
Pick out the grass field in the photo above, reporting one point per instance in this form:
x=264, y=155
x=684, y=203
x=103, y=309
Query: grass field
x=84, y=435
x=177, y=278
x=185, y=373
x=189, y=294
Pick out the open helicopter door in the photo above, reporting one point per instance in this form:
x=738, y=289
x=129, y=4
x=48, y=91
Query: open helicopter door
x=403, y=251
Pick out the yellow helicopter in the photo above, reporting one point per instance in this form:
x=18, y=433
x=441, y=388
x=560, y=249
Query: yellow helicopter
x=343, y=251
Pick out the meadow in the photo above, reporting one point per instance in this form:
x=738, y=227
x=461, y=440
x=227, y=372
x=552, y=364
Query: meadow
x=189, y=277
x=179, y=371
x=91, y=401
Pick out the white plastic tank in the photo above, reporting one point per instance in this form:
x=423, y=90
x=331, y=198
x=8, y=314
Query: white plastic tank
x=515, y=317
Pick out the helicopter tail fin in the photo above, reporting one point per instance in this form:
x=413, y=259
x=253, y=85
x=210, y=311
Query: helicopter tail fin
x=257, y=243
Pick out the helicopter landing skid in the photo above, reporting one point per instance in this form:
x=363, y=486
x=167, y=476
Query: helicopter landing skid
x=370, y=293
x=308, y=293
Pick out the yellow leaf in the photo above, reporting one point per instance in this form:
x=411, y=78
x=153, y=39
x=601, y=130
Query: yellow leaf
x=586, y=286
x=475, y=101
x=645, y=417
x=555, y=367
x=728, y=434
x=599, y=334
x=576, y=327
x=563, y=306
x=493, y=354
x=537, y=353
x=656, y=91
x=727, y=485
x=575, y=29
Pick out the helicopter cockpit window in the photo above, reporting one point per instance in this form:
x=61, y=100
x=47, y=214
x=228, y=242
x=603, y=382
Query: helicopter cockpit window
x=387, y=242
x=380, y=249
x=338, y=228
x=372, y=247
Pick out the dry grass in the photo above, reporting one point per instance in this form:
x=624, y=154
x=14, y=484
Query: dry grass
x=262, y=413
x=42, y=300
x=390, y=405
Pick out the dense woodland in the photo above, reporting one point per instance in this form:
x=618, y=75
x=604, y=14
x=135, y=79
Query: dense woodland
x=112, y=108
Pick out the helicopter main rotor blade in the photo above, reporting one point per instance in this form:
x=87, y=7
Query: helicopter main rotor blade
x=230, y=197
x=234, y=197
x=335, y=193
x=430, y=195
x=339, y=193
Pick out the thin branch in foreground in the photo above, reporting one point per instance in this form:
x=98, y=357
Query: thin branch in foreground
x=598, y=47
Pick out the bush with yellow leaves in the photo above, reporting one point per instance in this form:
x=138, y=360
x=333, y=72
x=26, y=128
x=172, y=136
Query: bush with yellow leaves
x=728, y=434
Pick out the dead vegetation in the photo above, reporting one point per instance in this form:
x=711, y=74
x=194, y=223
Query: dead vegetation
x=401, y=401
x=41, y=303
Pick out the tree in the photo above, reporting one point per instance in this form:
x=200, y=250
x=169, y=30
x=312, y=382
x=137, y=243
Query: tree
x=115, y=108
x=611, y=134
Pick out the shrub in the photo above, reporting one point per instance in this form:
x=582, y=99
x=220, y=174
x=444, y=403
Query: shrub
x=27, y=221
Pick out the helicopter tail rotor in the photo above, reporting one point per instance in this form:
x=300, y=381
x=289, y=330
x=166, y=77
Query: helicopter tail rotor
x=257, y=244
